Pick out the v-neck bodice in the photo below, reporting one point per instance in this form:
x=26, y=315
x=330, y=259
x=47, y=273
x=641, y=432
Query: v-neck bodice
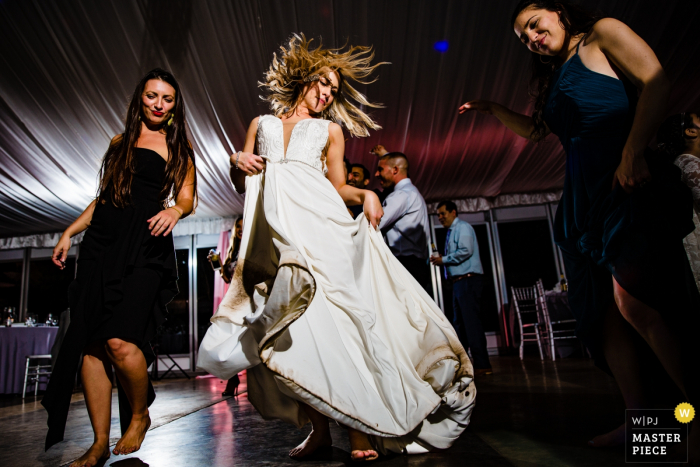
x=306, y=143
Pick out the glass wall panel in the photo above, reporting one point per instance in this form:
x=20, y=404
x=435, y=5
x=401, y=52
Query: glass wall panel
x=175, y=335
x=10, y=284
x=526, y=249
x=205, y=293
x=48, y=287
x=489, y=306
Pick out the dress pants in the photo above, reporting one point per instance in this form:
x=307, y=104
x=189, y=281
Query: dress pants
x=419, y=269
x=466, y=301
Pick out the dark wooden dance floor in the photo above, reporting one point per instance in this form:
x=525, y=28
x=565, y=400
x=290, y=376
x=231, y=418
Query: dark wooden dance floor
x=528, y=413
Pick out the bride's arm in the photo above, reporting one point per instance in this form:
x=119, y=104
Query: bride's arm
x=248, y=163
x=351, y=196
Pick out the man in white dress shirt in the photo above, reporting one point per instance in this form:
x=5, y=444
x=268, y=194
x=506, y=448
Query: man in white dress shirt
x=405, y=223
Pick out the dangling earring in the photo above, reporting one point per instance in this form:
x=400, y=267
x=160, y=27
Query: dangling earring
x=547, y=62
x=170, y=122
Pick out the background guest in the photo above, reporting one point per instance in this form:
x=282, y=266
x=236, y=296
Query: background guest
x=380, y=151
x=679, y=139
x=405, y=222
x=463, y=269
x=229, y=264
x=623, y=213
x=359, y=178
x=227, y=269
x=347, y=167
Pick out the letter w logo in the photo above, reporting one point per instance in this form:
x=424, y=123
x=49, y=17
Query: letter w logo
x=684, y=412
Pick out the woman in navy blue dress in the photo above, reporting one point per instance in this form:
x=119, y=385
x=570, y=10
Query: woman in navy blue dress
x=623, y=212
x=126, y=270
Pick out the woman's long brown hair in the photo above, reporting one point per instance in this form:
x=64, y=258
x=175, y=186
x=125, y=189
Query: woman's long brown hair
x=576, y=20
x=119, y=164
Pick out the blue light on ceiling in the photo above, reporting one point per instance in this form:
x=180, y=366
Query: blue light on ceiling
x=441, y=46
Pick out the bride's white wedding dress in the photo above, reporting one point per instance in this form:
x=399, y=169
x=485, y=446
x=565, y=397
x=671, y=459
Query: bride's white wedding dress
x=319, y=311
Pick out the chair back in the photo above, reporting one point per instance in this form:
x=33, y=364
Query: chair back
x=542, y=302
x=525, y=301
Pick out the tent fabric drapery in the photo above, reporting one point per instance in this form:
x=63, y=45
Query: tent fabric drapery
x=187, y=226
x=69, y=68
x=194, y=226
x=502, y=201
x=223, y=225
x=36, y=241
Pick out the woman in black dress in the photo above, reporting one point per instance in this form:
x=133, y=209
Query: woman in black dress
x=127, y=271
x=623, y=212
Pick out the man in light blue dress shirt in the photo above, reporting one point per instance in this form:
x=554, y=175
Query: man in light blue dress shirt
x=405, y=223
x=463, y=269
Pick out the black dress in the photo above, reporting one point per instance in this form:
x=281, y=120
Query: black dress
x=604, y=232
x=125, y=278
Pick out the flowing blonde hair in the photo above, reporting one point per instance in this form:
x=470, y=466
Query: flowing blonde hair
x=298, y=65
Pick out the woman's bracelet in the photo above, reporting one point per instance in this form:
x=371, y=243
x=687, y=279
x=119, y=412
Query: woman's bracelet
x=238, y=156
x=176, y=210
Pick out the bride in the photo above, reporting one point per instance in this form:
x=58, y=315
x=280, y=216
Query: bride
x=324, y=318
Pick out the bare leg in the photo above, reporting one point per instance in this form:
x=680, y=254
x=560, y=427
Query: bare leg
x=131, y=368
x=651, y=326
x=319, y=437
x=623, y=360
x=360, y=446
x=96, y=376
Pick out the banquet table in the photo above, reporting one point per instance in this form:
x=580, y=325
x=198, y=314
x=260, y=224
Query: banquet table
x=558, y=306
x=16, y=343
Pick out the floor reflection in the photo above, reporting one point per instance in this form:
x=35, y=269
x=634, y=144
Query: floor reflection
x=528, y=413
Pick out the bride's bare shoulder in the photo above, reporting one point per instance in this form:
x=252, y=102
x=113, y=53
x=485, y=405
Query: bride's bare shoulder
x=335, y=131
x=253, y=127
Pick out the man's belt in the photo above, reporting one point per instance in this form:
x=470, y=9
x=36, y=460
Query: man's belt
x=454, y=279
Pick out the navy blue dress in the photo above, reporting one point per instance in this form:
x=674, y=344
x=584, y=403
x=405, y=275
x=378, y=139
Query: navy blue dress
x=604, y=232
x=125, y=278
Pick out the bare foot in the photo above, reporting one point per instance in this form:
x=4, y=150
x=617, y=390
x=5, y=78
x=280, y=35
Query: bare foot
x=316, y=439
x=613, y=438
x=97, y=453
x=132, y=439
x=361, y=448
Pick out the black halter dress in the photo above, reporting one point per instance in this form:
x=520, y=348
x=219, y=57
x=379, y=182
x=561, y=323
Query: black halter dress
x=125, y=278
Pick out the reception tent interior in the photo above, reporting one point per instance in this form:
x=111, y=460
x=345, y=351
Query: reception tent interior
x=69, y=68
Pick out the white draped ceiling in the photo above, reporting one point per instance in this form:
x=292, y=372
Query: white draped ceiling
x=69, y=67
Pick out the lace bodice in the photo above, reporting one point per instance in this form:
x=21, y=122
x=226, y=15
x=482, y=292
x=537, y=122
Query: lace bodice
x=306, y=143
x=690, y=170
